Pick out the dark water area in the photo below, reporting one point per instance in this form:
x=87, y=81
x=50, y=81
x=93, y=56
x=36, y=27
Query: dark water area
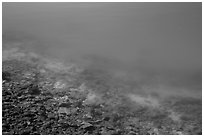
x=158, y=45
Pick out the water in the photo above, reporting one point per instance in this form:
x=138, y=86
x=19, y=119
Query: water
x=158, y=45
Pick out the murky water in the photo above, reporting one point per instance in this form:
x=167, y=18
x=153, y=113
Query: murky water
x=158, y=45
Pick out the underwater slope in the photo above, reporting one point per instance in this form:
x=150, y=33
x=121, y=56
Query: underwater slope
x=41, y=95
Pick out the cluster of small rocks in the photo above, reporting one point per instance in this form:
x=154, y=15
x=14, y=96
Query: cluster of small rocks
x=32, y=108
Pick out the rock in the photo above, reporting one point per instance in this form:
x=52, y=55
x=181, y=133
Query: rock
x=86, y=125
x=67, y=111
x=156, y=131
x=26, y=132
x=82, y=88
x=21, y=98
x=51, y=116
x=92, y=98
x=88, y=116
x=128, y=128
x=27, y=114
x=73, y=89
x=132, y=133
x=6, y=76
x=106, y=118
x=34, y=90
x=179, y=133
x=67, y=105
x=60, y=84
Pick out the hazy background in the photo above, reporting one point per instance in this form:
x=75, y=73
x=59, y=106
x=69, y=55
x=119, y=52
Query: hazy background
x=160, y=41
